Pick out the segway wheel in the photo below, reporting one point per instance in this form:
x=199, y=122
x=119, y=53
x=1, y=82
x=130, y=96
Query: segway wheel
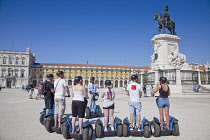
x=87, y=113
x=146, y=131
x=125, y=130
x=65, y=131
x=98, y=130
x=88, y=132
x=175, y=131
x=99, y=112
x=155, y=128
x=48, y=125
x=119, y=130
x=41, y=119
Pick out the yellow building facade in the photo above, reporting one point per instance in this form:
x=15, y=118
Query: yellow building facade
x=119, y=75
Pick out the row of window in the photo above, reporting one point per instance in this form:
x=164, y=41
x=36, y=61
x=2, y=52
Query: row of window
x=80, y=71
x=10, y=73
x=10, y=61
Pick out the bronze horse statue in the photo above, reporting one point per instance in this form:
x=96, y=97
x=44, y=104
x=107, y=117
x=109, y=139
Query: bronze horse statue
x=162, y=24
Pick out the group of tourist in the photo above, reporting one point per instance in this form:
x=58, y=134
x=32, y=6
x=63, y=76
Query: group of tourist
x=197, y=88
x=54, y=95
x=38, y=90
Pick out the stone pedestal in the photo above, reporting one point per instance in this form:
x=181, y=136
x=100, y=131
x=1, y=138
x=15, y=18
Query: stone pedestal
x=166, y=52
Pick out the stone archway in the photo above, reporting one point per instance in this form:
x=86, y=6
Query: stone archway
x=116, y=83
x=34, y=82
x=121, y=83
x=125, y=83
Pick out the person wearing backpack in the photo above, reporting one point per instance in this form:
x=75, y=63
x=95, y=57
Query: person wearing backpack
x=108, y=105
x=49, y=93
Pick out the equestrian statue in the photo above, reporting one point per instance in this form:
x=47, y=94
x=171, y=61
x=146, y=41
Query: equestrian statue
x=164, y=21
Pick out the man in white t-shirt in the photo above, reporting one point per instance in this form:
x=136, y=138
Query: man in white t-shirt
x=61, y=87
x=134, y=90
x=92, y=87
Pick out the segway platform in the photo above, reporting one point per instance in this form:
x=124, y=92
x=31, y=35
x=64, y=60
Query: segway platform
x=56, y=129
x=99, y=129
x=173, y=127
x=144, y=128
x=94, y=110
x=87, y=131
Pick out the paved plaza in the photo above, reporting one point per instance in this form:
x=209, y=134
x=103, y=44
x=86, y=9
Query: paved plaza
x=19, y=117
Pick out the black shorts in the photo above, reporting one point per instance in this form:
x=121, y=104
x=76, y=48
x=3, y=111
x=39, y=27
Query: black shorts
x=78, y=109
x=49, y=103
x=111, y=107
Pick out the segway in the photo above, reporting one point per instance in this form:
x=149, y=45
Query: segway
x=99, y=129
x=42, y=115
x=66, y=130
x=144, y=128
x=94, y=110
x=156, y=129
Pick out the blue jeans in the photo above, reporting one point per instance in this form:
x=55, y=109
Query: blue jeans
x=163, y=102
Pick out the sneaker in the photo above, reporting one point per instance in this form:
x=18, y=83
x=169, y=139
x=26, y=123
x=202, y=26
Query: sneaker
x=112, y=128
x=105, y=129
x=139, y=129
x=131, y=128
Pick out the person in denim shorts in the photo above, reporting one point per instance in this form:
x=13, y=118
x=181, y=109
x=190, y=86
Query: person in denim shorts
x=162, y=101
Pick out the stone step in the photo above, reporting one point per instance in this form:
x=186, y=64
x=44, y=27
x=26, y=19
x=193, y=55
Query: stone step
x=192, y=95
x=189, y=91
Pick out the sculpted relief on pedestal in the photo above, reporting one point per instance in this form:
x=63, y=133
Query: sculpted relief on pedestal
x=176, y=59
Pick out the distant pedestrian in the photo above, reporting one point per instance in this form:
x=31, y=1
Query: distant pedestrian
x=195, y=88
x=23, y=87
x=152, y=91
x=36, y=91
x=41, y=90
x=26, y=88
x=0, y=87
x=145, y=90
x=199, y=88
x=31, y=90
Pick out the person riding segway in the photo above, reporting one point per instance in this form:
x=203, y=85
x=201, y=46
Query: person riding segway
x=49, y=102
x=79, y=103
x=134, y=90
x=171, y=125
x=108, y=108
x=61, y=87
x=93, y=109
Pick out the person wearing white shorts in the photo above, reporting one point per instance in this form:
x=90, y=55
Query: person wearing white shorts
x=134, y=90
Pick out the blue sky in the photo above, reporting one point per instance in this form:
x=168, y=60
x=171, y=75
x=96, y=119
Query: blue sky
x=107, y=32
